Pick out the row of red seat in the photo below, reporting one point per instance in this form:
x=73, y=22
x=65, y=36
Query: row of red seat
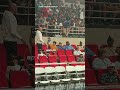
x=22, y=50
x=89, y=62
x=53, y=59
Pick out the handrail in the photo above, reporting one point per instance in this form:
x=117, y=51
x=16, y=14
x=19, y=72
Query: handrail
x=103, y=18
x=101, y=2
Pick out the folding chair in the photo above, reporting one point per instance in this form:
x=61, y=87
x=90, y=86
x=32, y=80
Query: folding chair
x=62, y=75
x=52, y=76
x=41, y=79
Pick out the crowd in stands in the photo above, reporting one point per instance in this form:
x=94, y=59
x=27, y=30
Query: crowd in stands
x=105, y=63
x=103, y=10
x=52, y=49
x=54, y=14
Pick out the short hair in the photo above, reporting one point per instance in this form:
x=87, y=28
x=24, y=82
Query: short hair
x=54, y=42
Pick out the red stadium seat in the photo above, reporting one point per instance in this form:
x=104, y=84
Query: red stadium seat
x=94, y=48
x=52, y=59
x=3, y=59
x=113, y=58
x=74, y=46
x=43, y=59
x=100, y=72
x=71, y=59
x=69, y=52
x=91, y=78
x=3, y=81
x=87, y=65
x=19, y=79
x=44, y=47
x=63, y=59
x=61, y=52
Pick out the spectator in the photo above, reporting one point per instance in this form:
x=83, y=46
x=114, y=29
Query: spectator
x=77, y=52
x=52, y=46
x=60, y=46
x=68, y=46
x=41, y=53
x=14, y=66
x=80, y=45
x=110, y=50
x=110, y=77
x=101, y=62
x=38, y=39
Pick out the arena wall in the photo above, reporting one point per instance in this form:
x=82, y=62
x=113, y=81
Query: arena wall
x=99, y=36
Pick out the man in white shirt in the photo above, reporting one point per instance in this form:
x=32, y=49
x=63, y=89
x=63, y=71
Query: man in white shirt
x=77, y=52
x=38, y=39
x=9, y=28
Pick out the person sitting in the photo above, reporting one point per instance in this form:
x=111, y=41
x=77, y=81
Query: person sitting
x=68, y=46
x=110, y=77
x=14, y=66
x=110, y=49
x=77, y=52
x=52, y=46
x=101, y=62
x=117, y=63
x=60, y=47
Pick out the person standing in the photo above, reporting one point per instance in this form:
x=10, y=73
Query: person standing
x=38, y=39
x=9, y=28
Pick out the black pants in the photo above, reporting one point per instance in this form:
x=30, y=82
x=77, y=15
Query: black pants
x=11, y=49
x=39, y=47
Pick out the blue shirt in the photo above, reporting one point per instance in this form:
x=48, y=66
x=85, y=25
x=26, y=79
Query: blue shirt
x=60, y=47
x=68, y=47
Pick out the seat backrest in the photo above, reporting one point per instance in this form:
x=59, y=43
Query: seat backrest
x=52, y=59
x=69, y=52
x=39, y=70
x=71, y=58
x=87, y=65
x=61, y=52
x=80, y=68
x=70, y=68
x=19, y=79
x=94, y=48
x=113, y=58
x=50, y=70
x=44, y=47
x=60, y=69
x=91, y=77
x=43, y=59
x=63, y=58
x=74, y=46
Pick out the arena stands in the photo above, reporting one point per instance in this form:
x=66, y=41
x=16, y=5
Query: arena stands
x=102, y=13
x=59, y=19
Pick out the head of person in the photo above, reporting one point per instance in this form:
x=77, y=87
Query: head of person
x=80, y=43
x=60, y=44
x=40, y=28
x=54, y=42
x=102, y=54
x=68, y=43
x=110, y=41
x=12, y=7
x=111, y=69
x=15, y=61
